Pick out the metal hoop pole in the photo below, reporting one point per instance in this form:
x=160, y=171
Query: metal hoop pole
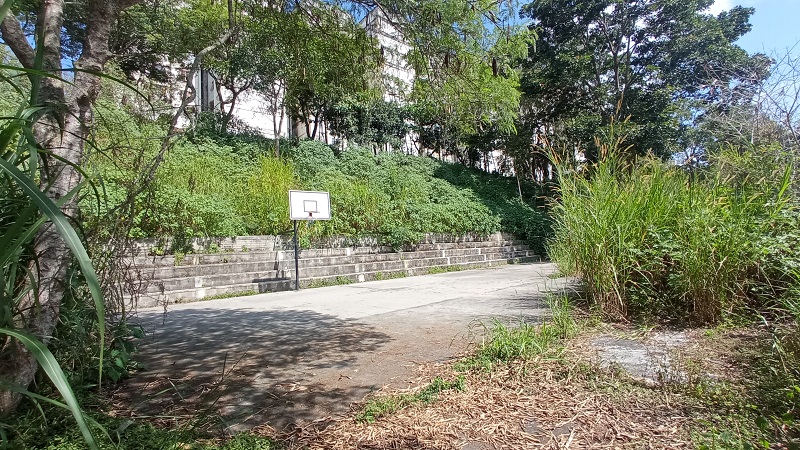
x=296, y=260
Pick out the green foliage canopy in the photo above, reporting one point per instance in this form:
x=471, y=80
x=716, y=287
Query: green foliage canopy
x=648, y=63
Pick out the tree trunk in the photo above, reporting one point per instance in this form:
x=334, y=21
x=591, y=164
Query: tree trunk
x=278, y=132
x=316, y=126
x=62, y=130
x=228, y=115
x=304, y=110
x=275, y=131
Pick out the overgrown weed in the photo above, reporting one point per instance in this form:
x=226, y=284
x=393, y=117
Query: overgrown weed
x=224, y=295
x=380, y=276
x=444, y=269
x=328, y=282
x=213, y=187
x=504, y=344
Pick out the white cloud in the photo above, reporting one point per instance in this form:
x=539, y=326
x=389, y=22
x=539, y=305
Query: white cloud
x=720, y=5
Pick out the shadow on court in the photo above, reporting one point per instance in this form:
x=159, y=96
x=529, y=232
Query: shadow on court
x=249, y=366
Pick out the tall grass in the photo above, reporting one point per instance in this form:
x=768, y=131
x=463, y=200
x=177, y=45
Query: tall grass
x=263, y=199
x=651, y=239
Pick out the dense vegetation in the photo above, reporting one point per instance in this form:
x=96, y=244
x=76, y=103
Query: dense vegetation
x=228, y=185
x=656, y=241
x=715, y=245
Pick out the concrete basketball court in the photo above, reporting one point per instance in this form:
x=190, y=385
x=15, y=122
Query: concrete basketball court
x=295, y=357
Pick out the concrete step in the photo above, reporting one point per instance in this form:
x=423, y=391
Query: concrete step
x=143, y=247
x=233, y=257
x=169, y=272
x=432, y=258
x=209, y=281
x=319, y=257
x=193, y=259
x=273, y=285
x=266, y=271
x=403, y=256
x=182, y=271
x=151, y=299
x=412, y=271
x=473, y=244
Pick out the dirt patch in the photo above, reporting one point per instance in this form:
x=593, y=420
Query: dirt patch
x=657, y=357
x=568, y=400
x=546, y=405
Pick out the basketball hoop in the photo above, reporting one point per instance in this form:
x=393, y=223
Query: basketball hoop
x=309, y=205
x=300, y=204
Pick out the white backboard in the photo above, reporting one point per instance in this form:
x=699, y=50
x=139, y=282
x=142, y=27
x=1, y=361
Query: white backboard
x=309, y=205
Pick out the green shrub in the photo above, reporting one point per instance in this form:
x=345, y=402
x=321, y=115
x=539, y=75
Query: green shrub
x=224, y=184
x=310, y=158
x=393, y=196
x=448, y=209
x=357, y=207
x=191, y=193
x=523, y=215
x=357, y=162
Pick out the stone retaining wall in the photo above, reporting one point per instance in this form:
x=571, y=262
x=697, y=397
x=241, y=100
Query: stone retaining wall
x=255, y=264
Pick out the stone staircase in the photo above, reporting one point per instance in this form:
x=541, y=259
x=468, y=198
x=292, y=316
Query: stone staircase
x=249, y=265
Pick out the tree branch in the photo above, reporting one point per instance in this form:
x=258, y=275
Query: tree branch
x=189, y=94
x=16, y=40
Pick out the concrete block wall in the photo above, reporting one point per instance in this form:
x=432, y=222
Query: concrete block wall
x=248, y=264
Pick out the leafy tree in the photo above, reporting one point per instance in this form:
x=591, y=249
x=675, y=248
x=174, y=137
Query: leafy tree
x=310, y=57
x=332, y=57
x=142, y=36
x=372, y=122
x=300, y=57
x=760, y=117
x=641, y=64
x=465, y=56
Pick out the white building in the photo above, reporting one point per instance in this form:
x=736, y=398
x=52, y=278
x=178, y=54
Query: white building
x=268, y=115
x=252, y=108
x=398, y=76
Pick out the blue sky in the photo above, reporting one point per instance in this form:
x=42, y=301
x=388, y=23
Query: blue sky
x=776, y=25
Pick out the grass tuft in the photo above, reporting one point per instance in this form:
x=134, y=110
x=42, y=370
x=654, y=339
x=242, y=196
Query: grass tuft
x=503, y=344
x=444, y=269
x=246, y=293
x=382, y=406
x=380, y=276
x=338, y=281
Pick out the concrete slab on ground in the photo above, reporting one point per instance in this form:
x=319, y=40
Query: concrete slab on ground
x=649, y=360
x=296, y=357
